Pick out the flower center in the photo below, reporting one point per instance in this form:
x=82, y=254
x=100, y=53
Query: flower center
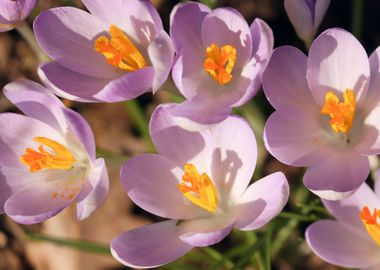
x=119, y=50
x=370, y=222
x=220, y=62
x=62, y=159
x=199, y=189
x=341, y=113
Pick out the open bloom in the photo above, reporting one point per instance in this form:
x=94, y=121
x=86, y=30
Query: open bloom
x=47, y=158
x=306, y=16
x=327, y=116
x=13, y=12
x=199, y=180
x=353, y=240
x=116, y=52
x=219, y=60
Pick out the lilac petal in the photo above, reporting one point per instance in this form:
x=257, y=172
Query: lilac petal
x=262, y=42
x=373, y=96
x=202, y=110
x=13, y=180
x=69, y=84
x=17, y=133
x=172, y=140
x=36, y=101
x=301, y=18
x=342, y=245
x=348, y=210
x=151, y=182
x=248, y=84
x=331, y=67
x=369, y=141
x=79, y=126
x=149, y=246
x=161, y=55
x=226, y=152
x=67, y=35
x=206, y=231
x=10, y=11
x=42, y=200
x=99, y=185
x=284, y=80
x=338, y=176
x=138, y=19
x=226, y=26
x=262, y=47
x=75, y=86
x=262, y=201
x=321, y=7
x=129, y=86
x=295, y=137
x=377, y=184
x=185, y=26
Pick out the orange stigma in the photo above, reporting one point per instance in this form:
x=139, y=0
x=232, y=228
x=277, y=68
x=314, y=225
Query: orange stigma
x=36, y=161
x=220, y=62
x=199, y=189
x=341, y=113
x=119, y=50
x=370, y=223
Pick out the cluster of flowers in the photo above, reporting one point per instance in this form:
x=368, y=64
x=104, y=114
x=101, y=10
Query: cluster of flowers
x=327, y=119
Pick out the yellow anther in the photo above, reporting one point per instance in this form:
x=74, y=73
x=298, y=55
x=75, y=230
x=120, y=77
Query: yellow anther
x=119, y=50
x=199, y=189
x=341, y=113
x=220, y=62
x=370, y=223
x=36, y=161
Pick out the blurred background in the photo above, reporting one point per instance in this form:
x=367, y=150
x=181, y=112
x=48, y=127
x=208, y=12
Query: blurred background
x=48, y=246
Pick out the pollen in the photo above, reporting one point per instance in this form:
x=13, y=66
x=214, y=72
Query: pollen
x=119, y=51
x=341, y=113
x=199, y=189
x=370, y=223
x=220, y=62
x=62, y=159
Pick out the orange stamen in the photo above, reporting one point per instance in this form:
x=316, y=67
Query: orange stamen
x=370, y=223
x=341, y=113
x=120, y=51
x=199, y=189
x=36, y=161
x=220, y=62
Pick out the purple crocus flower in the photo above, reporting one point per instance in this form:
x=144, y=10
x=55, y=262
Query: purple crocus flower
x=13, y=12
x=327, y=114
x=219, y=61
x=116, y=52
x=306, y=16
x=199, y=180
x=353, y=240
x=47, y=158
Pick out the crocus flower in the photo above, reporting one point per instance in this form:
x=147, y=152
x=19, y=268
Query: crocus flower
x=306, y=16
x=199, y=181
x=219, y=60
x=353, y=240
x=327, y=114
x=13, y=12
x=47, y=158
x=116, y=52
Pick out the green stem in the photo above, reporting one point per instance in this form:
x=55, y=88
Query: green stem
x=247, y=255
x=210, y=3
x=296, y=216
x=28, y=36
x=218, y=257
x=267, y=247
x=357, y=17
x=137, y=115
x=75, y=244
x=284, y=233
